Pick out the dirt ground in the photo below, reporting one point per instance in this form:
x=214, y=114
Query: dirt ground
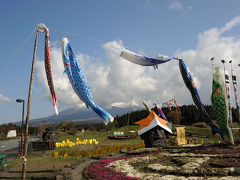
x=75, y=171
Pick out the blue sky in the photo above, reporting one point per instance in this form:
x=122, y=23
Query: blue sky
x=193, y=30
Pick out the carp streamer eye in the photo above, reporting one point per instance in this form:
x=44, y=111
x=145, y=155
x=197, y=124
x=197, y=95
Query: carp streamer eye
x=219, y=91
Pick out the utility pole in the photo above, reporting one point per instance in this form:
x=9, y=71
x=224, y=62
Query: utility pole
x=28, y=110
x=130, y=109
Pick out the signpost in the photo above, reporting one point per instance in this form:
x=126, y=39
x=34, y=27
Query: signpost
x=181, y=138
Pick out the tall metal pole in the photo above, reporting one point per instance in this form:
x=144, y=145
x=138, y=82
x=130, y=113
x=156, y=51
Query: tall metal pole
x=212, y=59
x=238, y=108
x=28, y=111
x=22, y=133
x=130, y=108
x=223, y=61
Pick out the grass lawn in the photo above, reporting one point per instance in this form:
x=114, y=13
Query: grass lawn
x=102, y=136
x=37, y=167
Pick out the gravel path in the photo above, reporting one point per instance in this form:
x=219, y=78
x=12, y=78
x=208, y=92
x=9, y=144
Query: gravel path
x=74, y=171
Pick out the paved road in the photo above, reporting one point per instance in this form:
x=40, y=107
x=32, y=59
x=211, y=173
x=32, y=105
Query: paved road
x=11, y=145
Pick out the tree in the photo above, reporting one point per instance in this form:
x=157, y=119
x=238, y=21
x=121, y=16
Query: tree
x=63, y=126
x=70, y=125
x=175, y=116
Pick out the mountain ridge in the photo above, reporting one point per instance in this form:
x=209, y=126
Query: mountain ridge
x=80, y=115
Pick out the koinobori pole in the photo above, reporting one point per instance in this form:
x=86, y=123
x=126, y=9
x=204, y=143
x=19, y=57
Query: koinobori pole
x=227, y=87
x=234, y=81
x=28, y=110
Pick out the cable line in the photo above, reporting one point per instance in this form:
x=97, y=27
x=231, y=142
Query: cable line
x=16, y=53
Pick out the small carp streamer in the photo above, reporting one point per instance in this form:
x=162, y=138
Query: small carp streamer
x=171, y=103
x=159, y=111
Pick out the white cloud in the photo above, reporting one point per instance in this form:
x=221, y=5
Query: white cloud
x=212, y=43
x=150, y=4
x=111, y=82
x=229, y=25
x=4, y=99
x=180, y=7
x=175, y=5
x=189, y=8
x=115, y=80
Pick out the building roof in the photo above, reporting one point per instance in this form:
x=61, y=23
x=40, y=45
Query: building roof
x=150, y=122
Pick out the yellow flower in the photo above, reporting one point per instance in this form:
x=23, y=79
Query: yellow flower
x=57, y=144
x=55, y=154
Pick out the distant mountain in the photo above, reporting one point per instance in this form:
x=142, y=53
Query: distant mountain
x=80, y=115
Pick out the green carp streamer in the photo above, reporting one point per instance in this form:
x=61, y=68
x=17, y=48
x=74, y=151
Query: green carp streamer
x=220, y=106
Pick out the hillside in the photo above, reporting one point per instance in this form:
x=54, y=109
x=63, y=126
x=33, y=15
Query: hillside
x=80, y=115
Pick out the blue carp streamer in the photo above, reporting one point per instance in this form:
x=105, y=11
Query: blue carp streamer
x=79, y=82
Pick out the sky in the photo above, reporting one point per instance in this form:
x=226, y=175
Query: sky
x=195, y=31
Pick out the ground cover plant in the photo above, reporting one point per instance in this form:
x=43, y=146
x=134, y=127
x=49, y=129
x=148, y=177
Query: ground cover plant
x=166, y=165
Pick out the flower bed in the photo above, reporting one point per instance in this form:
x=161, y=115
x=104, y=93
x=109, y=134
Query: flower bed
x=100, y=170
x=210, y=150
x=97, y=150
x=163, y=166
x=69, y=143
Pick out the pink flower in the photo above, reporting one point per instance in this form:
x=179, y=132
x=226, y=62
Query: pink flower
x=99, y=171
